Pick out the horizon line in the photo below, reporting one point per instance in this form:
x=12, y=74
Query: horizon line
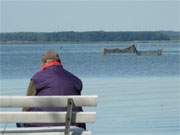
x=91, y=31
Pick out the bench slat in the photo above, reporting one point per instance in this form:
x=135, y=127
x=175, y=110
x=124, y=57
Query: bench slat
x=43, y=131
x=46, y=101
x=47, y=133
x=46, y=117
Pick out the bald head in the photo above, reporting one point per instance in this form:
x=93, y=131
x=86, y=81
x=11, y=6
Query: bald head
x=50, y=56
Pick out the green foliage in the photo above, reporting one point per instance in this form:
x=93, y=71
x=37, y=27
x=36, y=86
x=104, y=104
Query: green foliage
x=82, y=36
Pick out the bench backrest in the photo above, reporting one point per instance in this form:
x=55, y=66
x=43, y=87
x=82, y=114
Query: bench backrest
x=47, y=101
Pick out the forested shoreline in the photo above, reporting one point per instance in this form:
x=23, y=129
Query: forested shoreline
x=92, y=36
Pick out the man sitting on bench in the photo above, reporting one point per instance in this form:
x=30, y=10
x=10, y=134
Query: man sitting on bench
x=52, y=80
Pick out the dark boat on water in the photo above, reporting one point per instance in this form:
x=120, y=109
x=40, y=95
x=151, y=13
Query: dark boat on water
x=132, y=49
x=150, y=53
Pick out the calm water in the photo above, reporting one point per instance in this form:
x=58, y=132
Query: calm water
x=87, y=60
x=138, y=95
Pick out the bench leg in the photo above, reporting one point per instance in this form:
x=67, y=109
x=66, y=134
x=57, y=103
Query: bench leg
x=69, y=116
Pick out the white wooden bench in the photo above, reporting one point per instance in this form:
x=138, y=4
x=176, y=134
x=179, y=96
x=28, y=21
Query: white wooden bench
x=67, y=117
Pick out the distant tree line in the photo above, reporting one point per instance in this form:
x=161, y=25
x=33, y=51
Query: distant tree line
x=82, y=36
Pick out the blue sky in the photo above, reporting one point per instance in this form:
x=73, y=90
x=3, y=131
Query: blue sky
x=89, y=15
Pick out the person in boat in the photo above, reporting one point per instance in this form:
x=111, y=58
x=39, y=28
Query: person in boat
x=53, y=80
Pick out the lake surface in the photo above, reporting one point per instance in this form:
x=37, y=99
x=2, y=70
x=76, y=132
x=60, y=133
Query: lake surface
x=138, y=95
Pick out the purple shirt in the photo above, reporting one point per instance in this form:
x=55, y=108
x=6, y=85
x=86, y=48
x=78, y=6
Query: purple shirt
x=54, y=81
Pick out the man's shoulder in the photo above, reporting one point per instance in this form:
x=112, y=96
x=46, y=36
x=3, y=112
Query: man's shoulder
x=71, y=75
x=36, y=75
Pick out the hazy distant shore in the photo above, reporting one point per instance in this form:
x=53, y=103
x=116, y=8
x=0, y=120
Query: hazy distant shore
x=86, y=37
x=81, y=42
